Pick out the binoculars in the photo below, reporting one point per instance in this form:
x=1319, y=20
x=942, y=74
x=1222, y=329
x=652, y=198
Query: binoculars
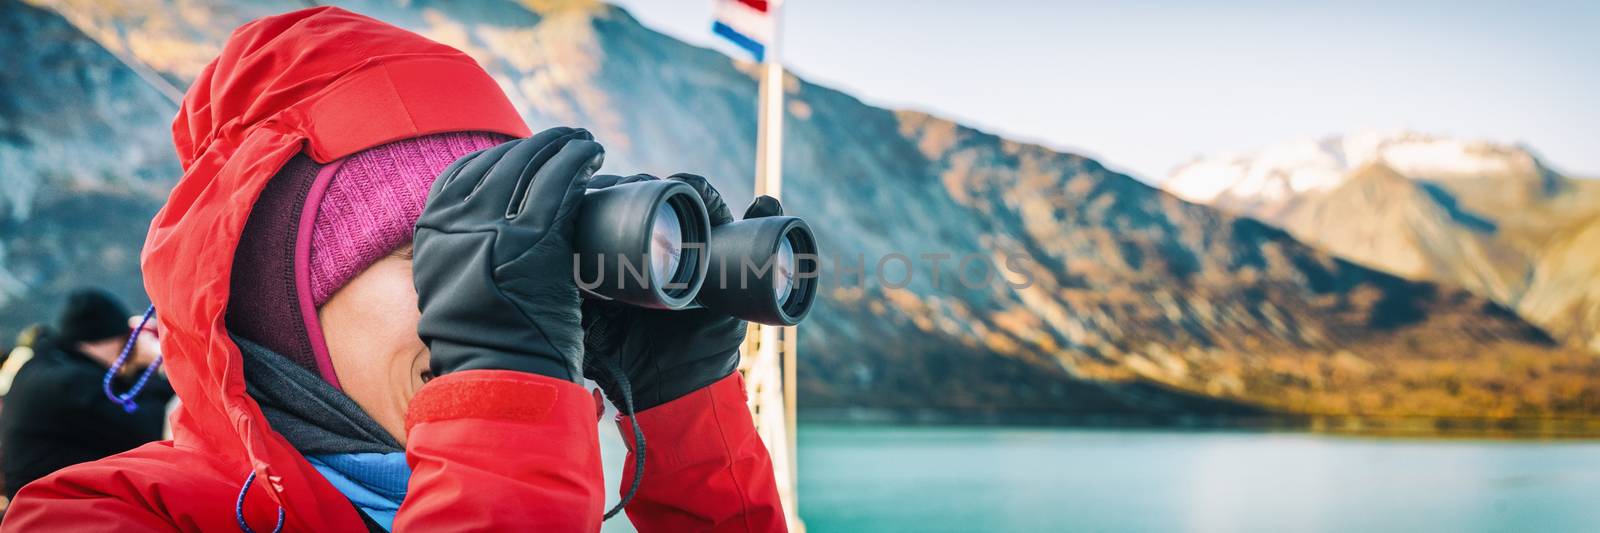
x=650, y=244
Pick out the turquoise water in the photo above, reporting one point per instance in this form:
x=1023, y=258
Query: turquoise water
x=855, y=478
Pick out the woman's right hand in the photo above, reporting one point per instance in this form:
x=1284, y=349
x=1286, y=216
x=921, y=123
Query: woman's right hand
x=664, y=355
x=493, y=257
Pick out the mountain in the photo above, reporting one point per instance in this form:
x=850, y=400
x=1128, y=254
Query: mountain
x=1487, y=217
x=85, y=161
x=1278, y=173
x=1137, y=302
x=1564, y=291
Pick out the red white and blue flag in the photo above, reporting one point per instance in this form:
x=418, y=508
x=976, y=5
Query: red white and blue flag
x=748, y=23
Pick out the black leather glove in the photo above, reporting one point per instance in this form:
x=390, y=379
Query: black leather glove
x=664, y=355
x=493, y=257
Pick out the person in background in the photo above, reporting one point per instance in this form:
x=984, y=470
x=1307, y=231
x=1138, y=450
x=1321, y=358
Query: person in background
x=20, y=355
x=57, y=414
x=14, y=360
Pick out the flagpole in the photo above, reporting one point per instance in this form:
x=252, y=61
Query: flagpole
x=768, y=361
x=769, y=182
x=769, y=132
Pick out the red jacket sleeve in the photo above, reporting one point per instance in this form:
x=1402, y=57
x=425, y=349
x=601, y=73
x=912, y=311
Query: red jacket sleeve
x=494, y=450
x=705, y=467
x=85, y=503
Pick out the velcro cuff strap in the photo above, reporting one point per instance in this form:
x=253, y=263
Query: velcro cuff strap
x=493, y=395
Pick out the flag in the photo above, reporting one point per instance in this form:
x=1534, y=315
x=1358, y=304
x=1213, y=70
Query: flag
x=747, y=23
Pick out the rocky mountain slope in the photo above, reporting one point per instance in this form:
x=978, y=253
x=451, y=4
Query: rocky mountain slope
x=1565, y=290
x=1140, y=302
x=1487, y=217
x=85, y=160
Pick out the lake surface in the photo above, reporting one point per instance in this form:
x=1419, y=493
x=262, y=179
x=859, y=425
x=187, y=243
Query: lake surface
x=892, y=478
x=909, y=478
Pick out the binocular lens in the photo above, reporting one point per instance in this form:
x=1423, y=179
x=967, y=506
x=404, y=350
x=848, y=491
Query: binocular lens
x=666, y=246
x=759, y=270
x=654, y=226
x=783, y=275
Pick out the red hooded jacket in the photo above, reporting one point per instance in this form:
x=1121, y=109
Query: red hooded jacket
x=489, y=450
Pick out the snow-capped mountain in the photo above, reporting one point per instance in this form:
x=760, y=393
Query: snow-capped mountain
x=1477, y=214
x=1281, y=172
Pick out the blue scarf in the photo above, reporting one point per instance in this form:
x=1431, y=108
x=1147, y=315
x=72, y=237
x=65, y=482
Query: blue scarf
x=375, y=482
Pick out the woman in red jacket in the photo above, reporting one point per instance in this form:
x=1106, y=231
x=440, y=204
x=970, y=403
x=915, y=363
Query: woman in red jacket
x=318, y=212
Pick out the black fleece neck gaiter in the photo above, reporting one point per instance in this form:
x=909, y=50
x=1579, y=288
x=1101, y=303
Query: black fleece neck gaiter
x=316, y=418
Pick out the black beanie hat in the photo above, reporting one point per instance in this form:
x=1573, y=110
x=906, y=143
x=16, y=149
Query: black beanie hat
x=91, y=315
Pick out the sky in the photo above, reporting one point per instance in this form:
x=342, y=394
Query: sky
x=1144, y=86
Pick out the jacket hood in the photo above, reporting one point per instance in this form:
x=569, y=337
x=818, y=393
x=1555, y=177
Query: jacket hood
x=323, y=81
